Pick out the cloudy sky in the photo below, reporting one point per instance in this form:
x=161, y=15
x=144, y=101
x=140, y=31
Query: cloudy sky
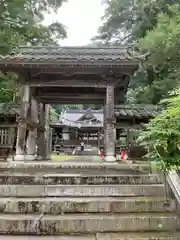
x=82, y=18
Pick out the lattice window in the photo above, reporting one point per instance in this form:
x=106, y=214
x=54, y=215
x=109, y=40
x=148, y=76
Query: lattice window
x=6, y=136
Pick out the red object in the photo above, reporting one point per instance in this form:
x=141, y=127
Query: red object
x=122, y=155
x=101, y=154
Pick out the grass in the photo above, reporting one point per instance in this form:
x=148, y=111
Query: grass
x=62, y=157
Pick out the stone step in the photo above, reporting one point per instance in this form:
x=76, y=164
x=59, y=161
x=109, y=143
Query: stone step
x=102, y=236
x=64, y=237
x=139, y=236
x=81, y=190
x=74, y=179
x=73, y=167
x=87, y=223
x=79, y=205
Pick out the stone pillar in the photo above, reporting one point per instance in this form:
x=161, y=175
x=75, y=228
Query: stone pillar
x=104, y=127
x=98, y=140
x=41, y=134
x=49, y=144
x=109, y=125
x=22, y=123
x=48, y=133
x=32, y=134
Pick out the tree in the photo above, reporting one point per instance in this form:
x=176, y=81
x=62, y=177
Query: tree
x=161, y=138
x=21, y=24
x=146, y=24
x=163, y=43
x=130, y=19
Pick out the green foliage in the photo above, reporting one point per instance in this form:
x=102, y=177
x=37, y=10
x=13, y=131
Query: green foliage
x=9, y=87
x=21, y=24
x=130, y=19
x=163, y=42
x=53, y=115
x=161, y=138
x=152, y=26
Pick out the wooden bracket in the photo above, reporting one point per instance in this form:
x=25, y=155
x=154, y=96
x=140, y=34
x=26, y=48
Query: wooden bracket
x=110, y=120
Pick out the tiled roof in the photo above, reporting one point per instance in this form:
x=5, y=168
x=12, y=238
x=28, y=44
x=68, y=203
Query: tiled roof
x=136, y=111
x=41, y=53
x=139, y=111
x=9, y=109
x=75, y=115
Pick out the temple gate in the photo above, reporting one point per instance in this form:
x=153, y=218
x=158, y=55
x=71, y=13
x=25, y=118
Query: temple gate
x=66, y=75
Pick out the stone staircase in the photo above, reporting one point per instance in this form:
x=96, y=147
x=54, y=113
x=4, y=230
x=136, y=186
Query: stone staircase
x=92, y=201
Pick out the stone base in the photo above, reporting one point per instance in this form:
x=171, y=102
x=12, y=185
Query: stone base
x=39, y=158
x=30, y=157
x=19, y=157
x=110, y=159
x=25, y=157
x=10, y=158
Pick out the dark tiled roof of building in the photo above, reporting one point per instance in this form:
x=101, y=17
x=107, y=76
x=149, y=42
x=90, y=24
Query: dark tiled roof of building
x=41, y=53
x=139, y=111
x=136, y=111
x=75, y=115
x=130, y=111
x=9, y=109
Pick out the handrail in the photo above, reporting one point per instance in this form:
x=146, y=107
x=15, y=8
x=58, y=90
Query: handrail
x=172, y=179
x=165, y=172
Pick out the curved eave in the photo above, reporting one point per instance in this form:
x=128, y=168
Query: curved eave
x=57, y=124
x=56, y=62
x=8, y=115
x=130, y=117
x=127, y=67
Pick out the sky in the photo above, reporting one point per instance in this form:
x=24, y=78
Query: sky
x=81, y=18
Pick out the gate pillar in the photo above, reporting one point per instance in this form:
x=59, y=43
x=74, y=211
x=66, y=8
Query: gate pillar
x=110, y=143
x=22, y=123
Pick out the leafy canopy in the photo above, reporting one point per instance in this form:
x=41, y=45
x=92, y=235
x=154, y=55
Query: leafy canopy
x=130, y=19
x=21, y=24
x=161, y=138
x=152, y=26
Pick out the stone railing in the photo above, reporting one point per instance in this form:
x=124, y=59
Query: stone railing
x=173, y=180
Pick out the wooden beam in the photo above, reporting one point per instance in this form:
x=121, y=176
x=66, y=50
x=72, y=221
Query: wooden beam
x=79, y=80
x=63, y=83
x=72, y=96
x=128, y=126
x=72, y=101
x=31, y=124
x=8, y=125
x=66, y=93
